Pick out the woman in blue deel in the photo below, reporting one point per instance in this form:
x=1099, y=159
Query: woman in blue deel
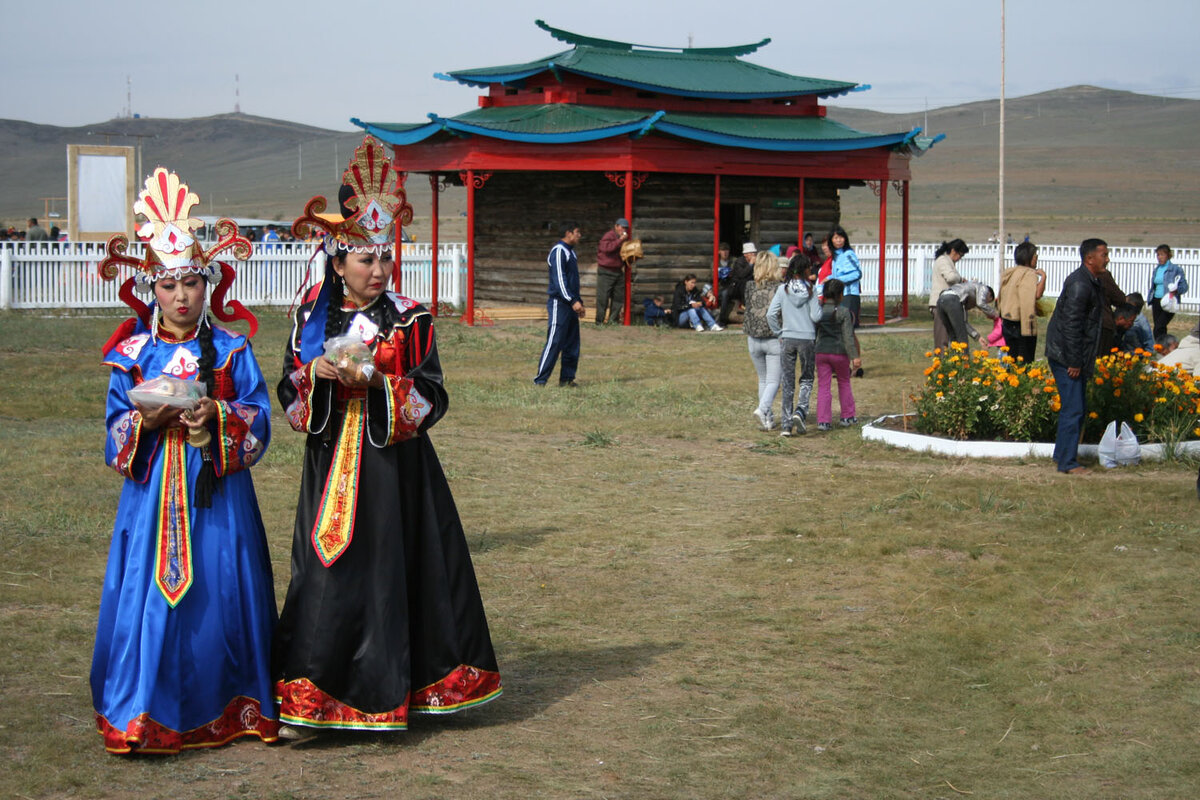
x=187, y=613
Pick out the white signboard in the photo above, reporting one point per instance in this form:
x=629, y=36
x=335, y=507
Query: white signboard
x=101, y=191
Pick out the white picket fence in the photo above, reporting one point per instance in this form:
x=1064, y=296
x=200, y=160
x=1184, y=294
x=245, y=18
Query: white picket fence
x=1131, y=267
x=64, y=274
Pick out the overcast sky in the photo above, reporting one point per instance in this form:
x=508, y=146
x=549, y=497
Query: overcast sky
x=67, y=63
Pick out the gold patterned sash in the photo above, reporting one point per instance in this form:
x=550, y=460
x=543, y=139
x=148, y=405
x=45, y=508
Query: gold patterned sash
x=173, y=553
x=334, y=527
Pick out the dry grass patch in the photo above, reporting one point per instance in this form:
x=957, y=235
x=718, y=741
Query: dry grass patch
x=683, y=606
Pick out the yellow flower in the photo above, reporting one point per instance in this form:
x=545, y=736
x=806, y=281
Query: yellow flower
x=1012, y=381
x=1092, y=415
x=1138, y=417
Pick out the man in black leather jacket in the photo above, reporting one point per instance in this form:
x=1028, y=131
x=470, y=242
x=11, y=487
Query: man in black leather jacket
x=1072, y=338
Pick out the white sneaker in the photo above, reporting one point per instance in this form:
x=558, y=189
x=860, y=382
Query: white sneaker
x=698, y=328
x=764, y=421
x=716, y=328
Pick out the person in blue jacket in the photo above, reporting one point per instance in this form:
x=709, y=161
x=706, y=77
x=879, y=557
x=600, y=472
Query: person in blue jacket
x=1166, y=279
x=847, y=270
x=564, y=307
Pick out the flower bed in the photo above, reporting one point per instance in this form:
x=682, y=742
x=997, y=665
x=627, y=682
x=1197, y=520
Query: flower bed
x=973, y=395
x=886, y=430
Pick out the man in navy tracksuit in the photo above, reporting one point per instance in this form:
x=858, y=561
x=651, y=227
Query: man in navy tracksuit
x=564, y=307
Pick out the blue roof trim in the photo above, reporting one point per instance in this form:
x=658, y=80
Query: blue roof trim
x=649, y=124
x=785, y=145
x=650, y=87
x=417, y=134
x=590, y=135
x=501, y=78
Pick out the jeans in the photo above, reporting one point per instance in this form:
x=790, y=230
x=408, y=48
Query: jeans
x=765, y=355
x=1072, y=393
x=805, y=351
x=827, y=365
x=696, y=316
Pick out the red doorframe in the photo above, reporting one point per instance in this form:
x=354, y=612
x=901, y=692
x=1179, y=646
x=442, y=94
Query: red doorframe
x=800, y=218
x=629, y=219
x=716, y=235
x=883, y=192
x=904, y=188
x=433, y=243
x=470, y=182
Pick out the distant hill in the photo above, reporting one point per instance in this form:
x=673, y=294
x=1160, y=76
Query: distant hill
x=1080, y=161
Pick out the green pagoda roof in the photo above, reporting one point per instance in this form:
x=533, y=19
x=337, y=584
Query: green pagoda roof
x=559, y=123
x=711, y=72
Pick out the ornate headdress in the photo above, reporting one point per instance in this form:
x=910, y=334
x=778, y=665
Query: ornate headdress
x=376, y=202
x=373, y=202
x=172, y=249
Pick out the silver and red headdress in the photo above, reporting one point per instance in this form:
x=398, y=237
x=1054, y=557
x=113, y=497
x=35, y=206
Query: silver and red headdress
x=173, y=250
x=374, y=196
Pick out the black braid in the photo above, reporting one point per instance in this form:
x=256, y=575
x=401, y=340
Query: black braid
x=206, y=481
x=337, y=293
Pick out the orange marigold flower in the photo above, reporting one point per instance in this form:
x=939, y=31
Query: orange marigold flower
x=1138, y=417
x=1092, y=415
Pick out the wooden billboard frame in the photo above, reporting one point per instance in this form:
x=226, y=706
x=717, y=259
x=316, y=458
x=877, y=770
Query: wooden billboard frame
x=74, y=151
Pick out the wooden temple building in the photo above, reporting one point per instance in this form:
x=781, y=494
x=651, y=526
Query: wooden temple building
x=693, y=145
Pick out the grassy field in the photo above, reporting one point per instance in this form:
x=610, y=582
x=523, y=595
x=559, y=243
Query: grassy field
x=682, y=606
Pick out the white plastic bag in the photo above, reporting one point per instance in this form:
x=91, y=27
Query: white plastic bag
x=1170, y=303
x=1119, y=446
x=1107, y=451
x=1129, y=452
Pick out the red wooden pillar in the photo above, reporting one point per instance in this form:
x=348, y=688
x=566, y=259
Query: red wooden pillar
x=470, y=181
x=800, y=218
x=433, y=244
x=883, y=191
x=904, y=234
x=628, y=216
x=398, y=259
x=716, y=236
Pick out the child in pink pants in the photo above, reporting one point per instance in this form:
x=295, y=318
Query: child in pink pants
x=837, y=352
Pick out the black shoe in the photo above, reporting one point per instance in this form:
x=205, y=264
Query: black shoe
x=858, y=373
x=571, y=384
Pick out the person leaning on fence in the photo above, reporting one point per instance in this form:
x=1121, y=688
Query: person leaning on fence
x=1021, y=287
x=944, y=275
x=954, y=303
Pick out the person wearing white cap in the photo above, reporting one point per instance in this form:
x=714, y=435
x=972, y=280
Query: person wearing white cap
x=734, y=292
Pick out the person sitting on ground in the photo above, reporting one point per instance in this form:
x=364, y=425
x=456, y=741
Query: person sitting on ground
x=1186, y=353
x=1140, y=333
x=688, y=307
x=733, y=291
x=1167, y=344
x=954, y=303
x=655, y=313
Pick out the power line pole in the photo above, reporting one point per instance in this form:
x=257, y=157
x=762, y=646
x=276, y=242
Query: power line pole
x=1003, y=236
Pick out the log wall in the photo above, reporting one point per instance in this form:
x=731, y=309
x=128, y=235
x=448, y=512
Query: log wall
x=517, y=215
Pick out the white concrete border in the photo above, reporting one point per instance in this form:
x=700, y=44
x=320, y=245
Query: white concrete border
x=921, y=443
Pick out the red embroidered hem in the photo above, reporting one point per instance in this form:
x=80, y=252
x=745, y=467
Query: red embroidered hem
x=302, y=703
x=242, y=717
